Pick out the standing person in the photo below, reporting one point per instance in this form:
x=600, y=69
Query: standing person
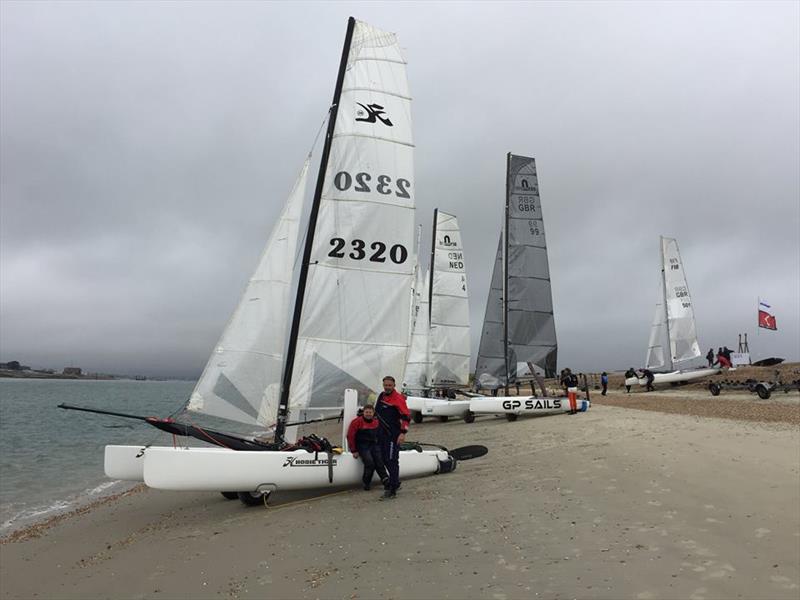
x=570, y=382
x=362, y=439
x=394, y=418
x=604, y=382
x=650, y=379
x=710, y=357
x=628, y=374
x=722, y=359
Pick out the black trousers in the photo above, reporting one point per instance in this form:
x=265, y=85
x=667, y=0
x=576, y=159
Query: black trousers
x=391, y=458
x=605, y=388
x=373, y=461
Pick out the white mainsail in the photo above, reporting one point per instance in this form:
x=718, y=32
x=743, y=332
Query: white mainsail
x=449, y=308
x=683, y=343
x=354, y=325
x=418, y=365
x=241, y=381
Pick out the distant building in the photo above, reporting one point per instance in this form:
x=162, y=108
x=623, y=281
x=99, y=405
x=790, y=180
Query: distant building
x=72, y=371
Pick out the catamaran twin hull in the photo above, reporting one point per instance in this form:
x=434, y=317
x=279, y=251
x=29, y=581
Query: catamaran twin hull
x=218, y=469
x=674, y=376
x=520, y=405
x=438, y=407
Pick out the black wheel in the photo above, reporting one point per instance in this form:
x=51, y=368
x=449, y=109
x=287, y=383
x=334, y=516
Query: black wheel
x=251, y=498
x=443, y=419
x=714, y=389
x=511, y=416
x=230, y=495
x=469, y=417
x=417, y=417
x=762, y=391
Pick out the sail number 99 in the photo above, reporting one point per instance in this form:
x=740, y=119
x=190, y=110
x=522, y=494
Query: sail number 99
x=383, y=184
x=377, y=251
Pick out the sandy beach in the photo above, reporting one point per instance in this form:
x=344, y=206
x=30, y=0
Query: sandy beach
x=615, y=503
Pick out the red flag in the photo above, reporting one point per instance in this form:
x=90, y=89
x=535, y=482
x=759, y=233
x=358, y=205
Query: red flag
x=766, y=320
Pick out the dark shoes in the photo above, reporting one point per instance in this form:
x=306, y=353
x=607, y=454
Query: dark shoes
x=367, y=487
x=388, y=495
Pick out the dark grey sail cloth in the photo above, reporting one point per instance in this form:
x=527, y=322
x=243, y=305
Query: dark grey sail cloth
x=531, y=325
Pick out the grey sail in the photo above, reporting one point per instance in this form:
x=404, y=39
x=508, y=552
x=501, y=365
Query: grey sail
x=528, y=309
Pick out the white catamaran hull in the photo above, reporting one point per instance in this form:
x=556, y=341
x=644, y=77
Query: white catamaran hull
x=215, y=469
x=438, y=407
x=674, y=376
x=124, y=462
x=519, y=405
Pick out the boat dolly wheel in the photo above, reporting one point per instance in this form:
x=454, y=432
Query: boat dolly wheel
x=469, y=417
x=254, y=498
x=417, y=416
x=511, y=417
x=230, y=495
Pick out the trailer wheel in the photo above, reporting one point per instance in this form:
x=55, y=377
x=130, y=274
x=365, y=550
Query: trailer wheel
x=511, y=417
x=714, y=389
x=469, y=417
x=251, y=498
x=230, y=495
x=762, y=391
x=444, y=419
x=417, y=417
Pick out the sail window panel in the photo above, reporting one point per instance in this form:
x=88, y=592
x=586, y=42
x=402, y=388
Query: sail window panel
x=530, y=329
x=527, y=261
x=529, y=295
x=362, y=363
x=374, y=114
x=452, y=371
x=526, y=232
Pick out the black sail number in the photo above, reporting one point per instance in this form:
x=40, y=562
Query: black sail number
x=343, y=181
x=398, y=253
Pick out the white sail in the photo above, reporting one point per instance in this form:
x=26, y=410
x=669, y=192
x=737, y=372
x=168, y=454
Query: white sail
x=678, y=302
x=658, y=339
x=241, y=380
x=354, y=325
x=417, y=373
x=449, y=308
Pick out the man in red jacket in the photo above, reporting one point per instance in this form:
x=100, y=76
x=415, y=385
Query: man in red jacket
x=394, y=418
x=362, y=439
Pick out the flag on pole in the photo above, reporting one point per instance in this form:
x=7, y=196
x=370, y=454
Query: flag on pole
x=766, y=320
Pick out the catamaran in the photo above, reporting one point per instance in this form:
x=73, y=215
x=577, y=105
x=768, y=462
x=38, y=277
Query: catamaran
x=440, y=346
x=519, y=326
x=673, y=335
x=350, y=322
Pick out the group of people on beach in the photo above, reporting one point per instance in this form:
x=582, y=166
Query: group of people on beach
x=723, y=357
x=376, y=434
x=646, y=374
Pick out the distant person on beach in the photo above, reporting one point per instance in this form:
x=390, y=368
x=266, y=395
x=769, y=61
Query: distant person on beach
x=394, y=418
x=710, y=357
x=604, y=382
x=570, y=382
x=628, y=374
x=650, y=379
x=724, y=361
x=362, y=439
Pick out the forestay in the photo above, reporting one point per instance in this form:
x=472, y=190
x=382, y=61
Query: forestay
x=449, y=308
x=241, y=380
x=354, y=326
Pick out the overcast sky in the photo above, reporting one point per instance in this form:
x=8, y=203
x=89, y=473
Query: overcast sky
x=147, y=148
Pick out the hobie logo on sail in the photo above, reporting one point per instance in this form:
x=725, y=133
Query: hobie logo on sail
x=371, y=113
x=293, y=461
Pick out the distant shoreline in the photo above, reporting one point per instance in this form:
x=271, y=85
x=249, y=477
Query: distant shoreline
x=8, y=374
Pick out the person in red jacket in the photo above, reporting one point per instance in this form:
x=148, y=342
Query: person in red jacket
x=362, y=439
x=394, y=417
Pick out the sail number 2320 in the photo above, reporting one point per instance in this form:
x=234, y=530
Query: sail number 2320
x=363, y=183
x=377, y=251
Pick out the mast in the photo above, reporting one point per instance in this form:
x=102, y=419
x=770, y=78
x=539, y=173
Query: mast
x=666, y=308
x=283, y=405
x=430, y=271
x=505, y=272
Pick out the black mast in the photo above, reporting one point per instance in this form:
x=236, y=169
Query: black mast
x=283, y=406
x=505, y=272
x=430, y=272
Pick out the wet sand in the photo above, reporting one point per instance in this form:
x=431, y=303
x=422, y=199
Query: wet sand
x=614, y=503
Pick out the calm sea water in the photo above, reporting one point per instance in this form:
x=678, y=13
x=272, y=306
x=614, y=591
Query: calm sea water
x=51, y=460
